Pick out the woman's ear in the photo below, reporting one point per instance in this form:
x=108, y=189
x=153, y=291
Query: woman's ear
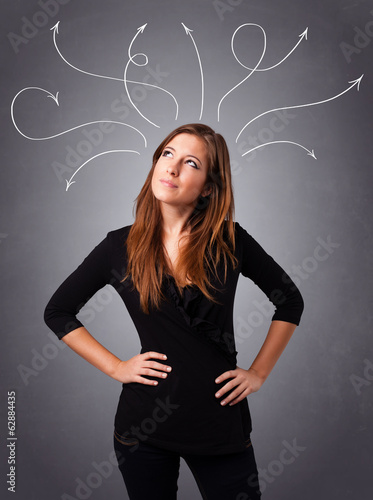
x=207, y=190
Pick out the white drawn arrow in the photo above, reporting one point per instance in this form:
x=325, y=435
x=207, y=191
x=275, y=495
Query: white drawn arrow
x=139, y=30
x=189, y=32
x=302, y=36
x=55, y=32
x=354, y=83
x=310, y=153
x=55, y=98
x=70, y=181
x=131, y=60
x=251, y=70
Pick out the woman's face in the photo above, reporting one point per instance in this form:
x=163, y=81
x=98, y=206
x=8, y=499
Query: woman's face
x=181, y=171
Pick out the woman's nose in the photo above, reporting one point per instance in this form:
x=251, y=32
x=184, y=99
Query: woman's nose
x=172, y=168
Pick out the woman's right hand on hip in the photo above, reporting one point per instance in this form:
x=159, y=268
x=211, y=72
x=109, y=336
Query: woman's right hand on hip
x=134, y=369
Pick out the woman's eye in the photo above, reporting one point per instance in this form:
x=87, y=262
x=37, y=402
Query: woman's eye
x=167, y=153
x=193, y=164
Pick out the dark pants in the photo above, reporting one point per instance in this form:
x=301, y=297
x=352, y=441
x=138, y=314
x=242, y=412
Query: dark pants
x=151, y=473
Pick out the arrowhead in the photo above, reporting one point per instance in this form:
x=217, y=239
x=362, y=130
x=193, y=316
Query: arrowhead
x=54, y=97
x=55, y=27
x=304, y=34
x=358, y=81
x=312, y=153
x=68, y=184
x=187, y=30
x=141, y=29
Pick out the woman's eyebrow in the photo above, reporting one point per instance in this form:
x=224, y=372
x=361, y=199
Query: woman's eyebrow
x=192, y=156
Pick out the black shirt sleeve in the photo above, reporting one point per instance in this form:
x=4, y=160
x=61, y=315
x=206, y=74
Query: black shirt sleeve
x=91, y=275
x=261, y=268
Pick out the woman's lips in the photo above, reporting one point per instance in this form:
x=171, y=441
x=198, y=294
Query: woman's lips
x=167, y=183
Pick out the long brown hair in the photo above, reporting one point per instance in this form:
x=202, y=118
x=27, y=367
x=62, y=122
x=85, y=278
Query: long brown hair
x=210, y=228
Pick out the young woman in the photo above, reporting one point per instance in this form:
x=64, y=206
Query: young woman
x=176, y=269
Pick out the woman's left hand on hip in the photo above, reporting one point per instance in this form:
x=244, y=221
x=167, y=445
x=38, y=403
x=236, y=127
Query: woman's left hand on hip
x=241, y=384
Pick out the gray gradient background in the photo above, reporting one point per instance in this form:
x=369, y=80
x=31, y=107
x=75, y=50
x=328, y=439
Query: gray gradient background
x=284, y=198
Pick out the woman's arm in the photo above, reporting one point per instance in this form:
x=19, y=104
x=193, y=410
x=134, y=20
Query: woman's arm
x=261, y=268
x=82, y=342
x=61, y=316
x=278, y=336
x=244, y=382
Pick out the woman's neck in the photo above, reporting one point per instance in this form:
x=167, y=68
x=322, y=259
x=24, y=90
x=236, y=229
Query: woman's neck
x=173, y=224
x=174, y=220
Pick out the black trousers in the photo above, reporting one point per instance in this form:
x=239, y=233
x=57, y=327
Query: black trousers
x=152, y=473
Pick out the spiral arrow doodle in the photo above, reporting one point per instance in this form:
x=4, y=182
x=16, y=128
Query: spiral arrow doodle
x=302, y=36
x=252, y=70
x=55, y=99
x=132, y=60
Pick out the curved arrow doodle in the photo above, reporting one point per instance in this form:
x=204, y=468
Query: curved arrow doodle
x=139, y=30
x=55, y=98
x=354, y=83
x=55, y=32
x=301, y=37
x=70, y=181
x=252, y=70
x=310, y=153
x=131, y=60
x=189, y=32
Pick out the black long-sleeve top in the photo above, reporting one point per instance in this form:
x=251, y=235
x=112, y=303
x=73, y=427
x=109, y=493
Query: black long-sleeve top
x=181, y=413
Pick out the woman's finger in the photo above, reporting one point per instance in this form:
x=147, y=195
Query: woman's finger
x=234, y=394
x=153, y=355
x=152, y=373
x=225, y=376
x=242, y=396
x=157, y=366
x=145, y=381
x=227, y=387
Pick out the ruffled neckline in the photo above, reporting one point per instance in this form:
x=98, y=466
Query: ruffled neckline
x=189, y=305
